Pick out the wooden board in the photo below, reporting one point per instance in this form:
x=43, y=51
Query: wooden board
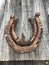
x=24, y=63
x=23, y=10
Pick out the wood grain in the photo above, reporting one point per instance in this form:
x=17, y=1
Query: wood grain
x=24, y=9
x=24, y=63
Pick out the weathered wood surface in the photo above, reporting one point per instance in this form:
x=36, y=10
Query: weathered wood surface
x=24, y=9
x=24, y=63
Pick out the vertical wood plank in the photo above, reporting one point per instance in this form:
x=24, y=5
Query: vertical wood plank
x=5, y=47
x=1, y=36
x=24, y=24
x=30, y=15
x=43, y=45
x=17, y=13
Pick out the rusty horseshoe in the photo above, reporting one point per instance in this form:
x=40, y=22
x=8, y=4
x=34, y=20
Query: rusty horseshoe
x=22, y=46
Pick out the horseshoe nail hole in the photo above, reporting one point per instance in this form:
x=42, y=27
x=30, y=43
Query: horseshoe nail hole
x=17, y=37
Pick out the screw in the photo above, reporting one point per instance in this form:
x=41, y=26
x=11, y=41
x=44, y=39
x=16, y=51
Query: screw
x=46, y=62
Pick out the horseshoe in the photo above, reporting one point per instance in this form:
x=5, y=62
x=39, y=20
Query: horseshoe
x=23, y=46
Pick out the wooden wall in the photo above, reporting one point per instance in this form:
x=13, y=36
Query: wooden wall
x=23, y=10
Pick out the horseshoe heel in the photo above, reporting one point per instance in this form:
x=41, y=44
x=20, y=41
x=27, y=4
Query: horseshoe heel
x=33, y=23
x=22, y=46
x=15, y=37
